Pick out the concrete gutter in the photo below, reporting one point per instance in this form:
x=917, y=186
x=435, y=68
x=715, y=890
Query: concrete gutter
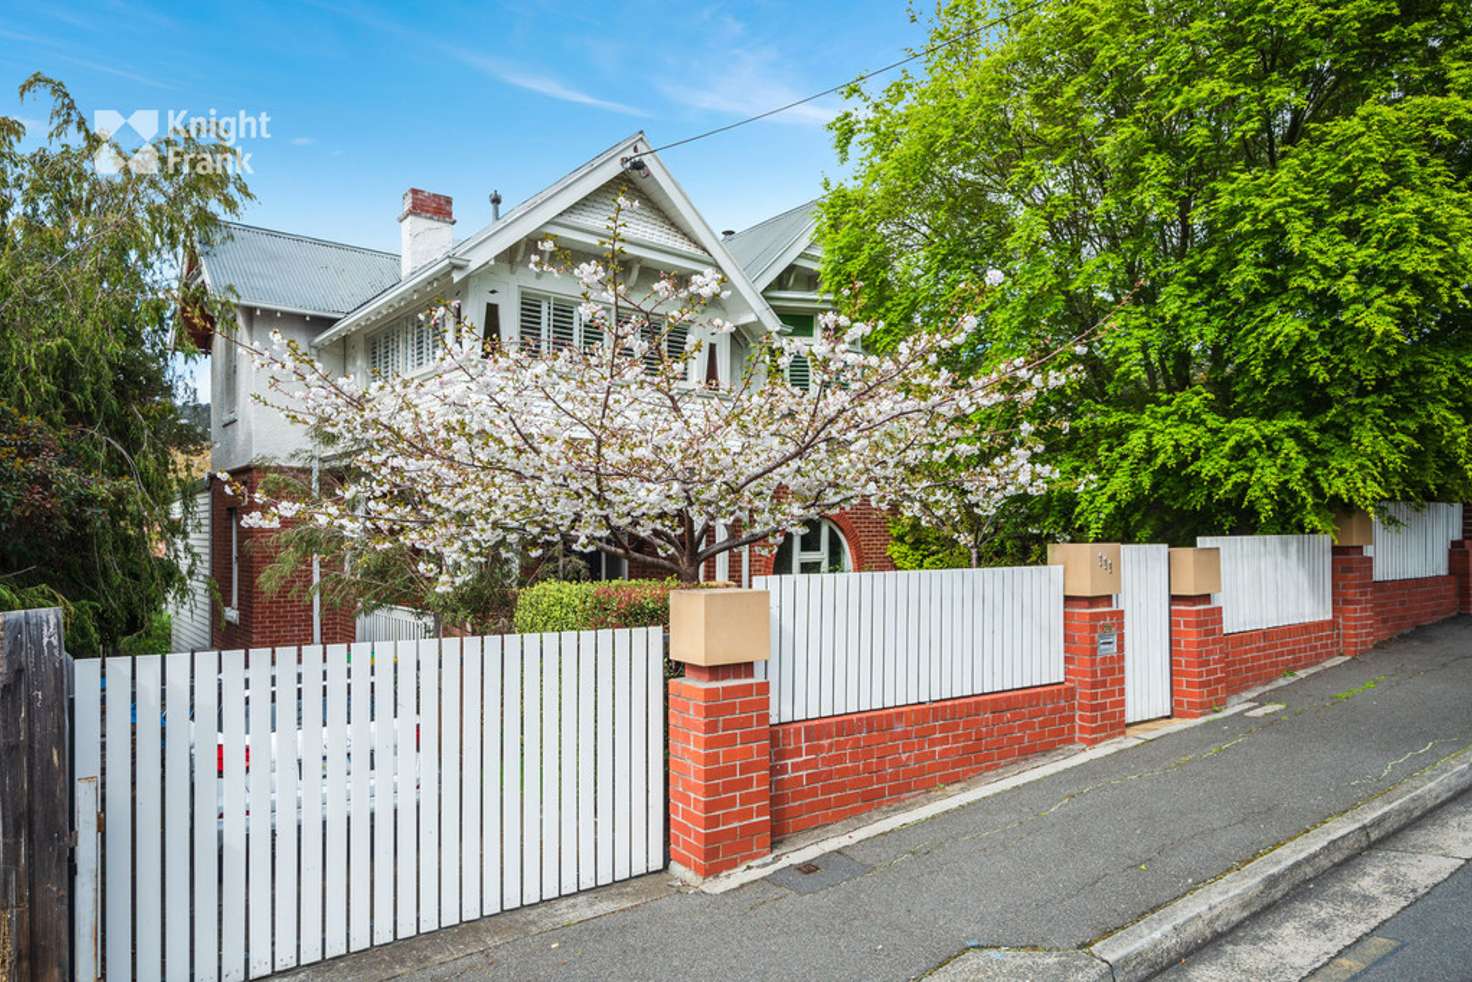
x=1163, y=938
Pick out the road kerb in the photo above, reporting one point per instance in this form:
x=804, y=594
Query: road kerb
x=1164, y=937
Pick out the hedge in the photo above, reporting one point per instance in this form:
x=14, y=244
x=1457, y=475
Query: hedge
x=561, y=605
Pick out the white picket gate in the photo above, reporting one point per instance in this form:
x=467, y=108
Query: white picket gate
x=1145, y=599
x=847, y=642
x=242, y=813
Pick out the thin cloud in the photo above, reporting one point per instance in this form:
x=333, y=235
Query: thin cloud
x=98, y=66
x=540, y=84
x=303, y=141
x=746, y=82
x=85, y=63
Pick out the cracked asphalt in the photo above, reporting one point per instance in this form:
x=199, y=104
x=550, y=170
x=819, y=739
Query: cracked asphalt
x=1053, y=864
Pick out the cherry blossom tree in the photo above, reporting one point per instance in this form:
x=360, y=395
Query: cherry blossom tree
x=625, y=440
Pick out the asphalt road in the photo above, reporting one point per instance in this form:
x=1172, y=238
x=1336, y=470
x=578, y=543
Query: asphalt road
x=1431, y=937
x=1399, y=912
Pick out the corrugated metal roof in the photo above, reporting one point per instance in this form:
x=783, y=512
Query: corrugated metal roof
x=758, y=247
x=282, y=271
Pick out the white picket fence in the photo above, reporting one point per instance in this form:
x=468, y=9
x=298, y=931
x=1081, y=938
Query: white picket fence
x=394, y=624
x=847, y=642
x=1416, y=540
x=242, y=813
x=1273, y=580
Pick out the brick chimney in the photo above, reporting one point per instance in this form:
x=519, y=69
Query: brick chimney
x=424, y=229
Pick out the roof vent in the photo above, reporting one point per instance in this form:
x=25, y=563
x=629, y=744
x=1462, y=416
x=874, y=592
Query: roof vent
x=727, y=233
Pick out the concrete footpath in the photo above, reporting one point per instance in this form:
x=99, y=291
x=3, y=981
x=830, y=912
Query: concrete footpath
x=1055, y=863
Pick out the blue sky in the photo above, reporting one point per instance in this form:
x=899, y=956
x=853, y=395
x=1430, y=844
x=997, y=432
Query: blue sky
x=366, y=100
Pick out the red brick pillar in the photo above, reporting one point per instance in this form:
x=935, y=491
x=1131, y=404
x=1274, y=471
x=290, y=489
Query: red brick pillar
x=1354, y=600
x=1460, y=564
x=720, y=768
x=1198, y=652
x=1098, y=679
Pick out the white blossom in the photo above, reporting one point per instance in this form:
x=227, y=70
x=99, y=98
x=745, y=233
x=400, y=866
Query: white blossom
x=606, y=443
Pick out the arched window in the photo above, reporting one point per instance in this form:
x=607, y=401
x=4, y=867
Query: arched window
x=819, y=548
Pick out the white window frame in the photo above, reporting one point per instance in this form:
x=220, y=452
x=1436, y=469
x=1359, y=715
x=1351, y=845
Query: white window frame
x=232, y=612
x=828, y=529
x=723, y=560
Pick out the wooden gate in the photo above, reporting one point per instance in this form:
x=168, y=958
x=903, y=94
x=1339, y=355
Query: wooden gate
x=272, y=808
x=1145, y=598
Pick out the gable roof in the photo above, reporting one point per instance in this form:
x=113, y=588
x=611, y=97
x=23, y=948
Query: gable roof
x=658, y=186
x=769, y=247
x=294, y=273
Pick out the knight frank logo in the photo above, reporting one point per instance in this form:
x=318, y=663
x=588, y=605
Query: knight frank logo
x=215, y=146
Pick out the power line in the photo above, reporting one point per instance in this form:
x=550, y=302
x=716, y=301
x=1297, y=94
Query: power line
x=923, y=52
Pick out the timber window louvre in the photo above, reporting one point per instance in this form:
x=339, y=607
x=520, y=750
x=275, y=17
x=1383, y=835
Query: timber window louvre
x=551, y=323
x=800, y=372
x=548, y=323
x=405, y=346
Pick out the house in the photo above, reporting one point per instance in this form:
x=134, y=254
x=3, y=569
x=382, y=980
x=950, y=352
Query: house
x=357, y=309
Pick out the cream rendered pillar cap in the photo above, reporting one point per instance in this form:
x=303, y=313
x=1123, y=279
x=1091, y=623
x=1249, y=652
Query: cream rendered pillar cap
x=1195, y=572
x=720, y=627
x=1090, y=569
x=1354, y=528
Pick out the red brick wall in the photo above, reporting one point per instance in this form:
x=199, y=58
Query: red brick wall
x=1369, y=611
x=284, y=617
x=825, y=770
x=1198, y=671
x=1098, y=679
x=1353, y=599
x=1461, y=568
x=1400, y=605
x=1256, y=657
x=719, y=788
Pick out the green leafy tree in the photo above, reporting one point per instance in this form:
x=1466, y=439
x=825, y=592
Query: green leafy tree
x=92, y=307
x=1277, y=193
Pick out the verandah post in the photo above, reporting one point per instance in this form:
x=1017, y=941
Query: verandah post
x=35, y=798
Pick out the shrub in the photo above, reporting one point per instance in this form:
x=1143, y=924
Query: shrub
x=155, y=639
x=553, y=605
x=561, y=605
x=631, y=603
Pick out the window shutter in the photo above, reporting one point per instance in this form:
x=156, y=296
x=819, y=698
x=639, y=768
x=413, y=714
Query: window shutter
x=799, y=372
x=385, y=351
x=530, y=327
x=592, y=334
x=675, y=341
x=563, y=324
x=422, y=336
